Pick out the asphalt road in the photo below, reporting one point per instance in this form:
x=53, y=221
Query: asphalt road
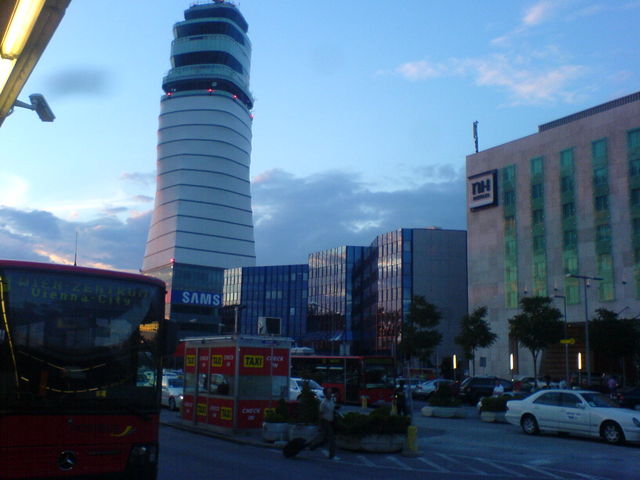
x=448, y=449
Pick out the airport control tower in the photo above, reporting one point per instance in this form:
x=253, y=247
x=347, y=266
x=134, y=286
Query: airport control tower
x=202, y=220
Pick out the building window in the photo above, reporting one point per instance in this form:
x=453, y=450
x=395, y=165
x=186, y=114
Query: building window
x=599, y=148
x=600, y=176
x=566, y=183
x=603, y=233
x=509, y=173
x=537, y=216
x=569, y=239
x=566, y=160
x=571, y=262
x=636, y=227
x=510, y=223
x=537, y=190
x=538, y=243
x=635, y=197
x=633, y=138
x=602, y=203
x=536, y=166
x=634, y=167
x=568, y=210
x=509, y=198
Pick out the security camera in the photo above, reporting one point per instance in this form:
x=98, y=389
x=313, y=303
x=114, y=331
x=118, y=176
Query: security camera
x=41, y=107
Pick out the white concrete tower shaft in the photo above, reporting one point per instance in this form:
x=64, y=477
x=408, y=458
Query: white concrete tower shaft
x=202, y=214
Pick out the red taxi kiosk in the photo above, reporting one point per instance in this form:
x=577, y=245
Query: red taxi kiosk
x=231, y=380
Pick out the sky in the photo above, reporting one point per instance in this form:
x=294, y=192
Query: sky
x=362, y=119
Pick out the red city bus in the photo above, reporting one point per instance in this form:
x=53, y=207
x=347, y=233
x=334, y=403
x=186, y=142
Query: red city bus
x=80, y=372
x=352, y=377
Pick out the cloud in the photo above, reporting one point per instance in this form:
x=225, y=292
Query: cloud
x=296, y=216
x=144, y=179
x=293, y=217
x=536, y=14
x=81, y=81
x=38, y=235
x=540, y=76
x=13, y=189
x=525, y=83
x=420, y=70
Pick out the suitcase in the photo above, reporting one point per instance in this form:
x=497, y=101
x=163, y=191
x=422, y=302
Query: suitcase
x=295, y=446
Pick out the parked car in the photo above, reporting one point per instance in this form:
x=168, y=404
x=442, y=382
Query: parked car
x=410, y=383
x=578, y=412
x=424, y=390
x=295, y=388
x=172, y=391
x=473, y=389
x=630, y=398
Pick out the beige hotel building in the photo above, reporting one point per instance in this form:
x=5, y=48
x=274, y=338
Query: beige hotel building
x=563, y=201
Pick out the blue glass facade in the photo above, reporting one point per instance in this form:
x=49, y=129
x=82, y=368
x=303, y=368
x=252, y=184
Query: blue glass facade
x=274, y=291
x=334, y=299
x=353, y=299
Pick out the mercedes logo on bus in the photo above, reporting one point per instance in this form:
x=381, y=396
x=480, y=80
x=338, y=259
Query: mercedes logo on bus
x=67, y=460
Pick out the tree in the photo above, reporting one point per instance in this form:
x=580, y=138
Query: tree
x=475, y=332
x=419, y=334
x=613, y=338
x=537, y=327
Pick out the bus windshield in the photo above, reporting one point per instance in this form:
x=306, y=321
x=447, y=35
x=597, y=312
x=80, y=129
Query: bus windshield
x=76, y=341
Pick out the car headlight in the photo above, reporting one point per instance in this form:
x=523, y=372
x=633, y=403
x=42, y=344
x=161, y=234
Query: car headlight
x=636, y=422
x=180, y=396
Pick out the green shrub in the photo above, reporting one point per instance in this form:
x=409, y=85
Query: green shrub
x=279, y=415
x=274, y=417
x=444, y=397
x=494, y=404
x=378, y=422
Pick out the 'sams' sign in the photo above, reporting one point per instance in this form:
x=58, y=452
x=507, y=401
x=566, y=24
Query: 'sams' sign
x=482, y=190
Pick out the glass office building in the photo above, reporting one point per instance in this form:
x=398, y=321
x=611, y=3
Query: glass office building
x=275, y=292
x=427, y=262
x=334, y=301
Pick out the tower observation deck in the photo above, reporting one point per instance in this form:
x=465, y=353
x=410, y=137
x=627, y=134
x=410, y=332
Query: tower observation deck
x=202, y=214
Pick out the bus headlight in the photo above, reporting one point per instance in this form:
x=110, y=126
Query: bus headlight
x=144, y=453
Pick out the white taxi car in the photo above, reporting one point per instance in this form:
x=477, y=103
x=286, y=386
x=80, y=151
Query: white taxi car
x=578, y=412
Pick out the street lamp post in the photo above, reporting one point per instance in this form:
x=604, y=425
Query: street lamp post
x=566, y=346
x=585, y=281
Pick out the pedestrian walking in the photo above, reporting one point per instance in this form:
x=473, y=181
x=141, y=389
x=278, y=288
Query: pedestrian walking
x=400, y=396
x=612, y=385
x=498, y=389
x=327, y=424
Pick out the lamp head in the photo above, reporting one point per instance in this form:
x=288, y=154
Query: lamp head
x=41, y=107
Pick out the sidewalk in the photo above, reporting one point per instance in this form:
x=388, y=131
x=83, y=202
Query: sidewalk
x=427, y=427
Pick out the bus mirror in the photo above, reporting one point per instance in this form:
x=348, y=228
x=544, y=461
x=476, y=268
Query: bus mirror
x=170, y=337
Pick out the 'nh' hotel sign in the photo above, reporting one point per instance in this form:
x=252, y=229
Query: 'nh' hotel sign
x=482, y=190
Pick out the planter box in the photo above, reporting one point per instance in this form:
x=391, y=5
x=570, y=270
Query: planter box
x=275, y=432
x=372, y=443
x=308, y=432
x=497, y=417
x=443, y=412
